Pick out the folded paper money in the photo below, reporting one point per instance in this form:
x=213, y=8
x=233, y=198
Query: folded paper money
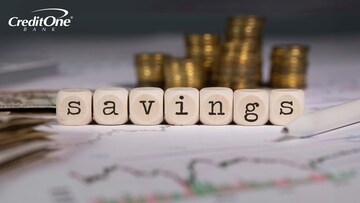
x=20, y=140
x=31, y=101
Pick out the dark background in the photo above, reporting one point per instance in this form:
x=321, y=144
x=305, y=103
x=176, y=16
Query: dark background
x=134, y=17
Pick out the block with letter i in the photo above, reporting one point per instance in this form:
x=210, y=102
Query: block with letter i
x=286, y=105
x=146, y=105
x=216, y=105
x=74, y=106
x=182, y=106
x=110, y=106
x=251, y=107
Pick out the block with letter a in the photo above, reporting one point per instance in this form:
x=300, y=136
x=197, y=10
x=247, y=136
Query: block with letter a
x=110, y=106
x=74, y=106
x=146, y=105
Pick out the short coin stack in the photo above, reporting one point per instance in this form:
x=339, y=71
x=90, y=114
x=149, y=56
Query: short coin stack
x=183, y=73
x=248, y=30
x=289, y=66
x=150, y=69
x=206, y=49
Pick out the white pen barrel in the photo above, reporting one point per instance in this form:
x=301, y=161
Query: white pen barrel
x=326, y=119
x=337, y=116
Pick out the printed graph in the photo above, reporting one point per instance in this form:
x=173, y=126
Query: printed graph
x=193, y=187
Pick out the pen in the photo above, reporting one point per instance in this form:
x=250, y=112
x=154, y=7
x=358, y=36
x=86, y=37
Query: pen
x=324, y=120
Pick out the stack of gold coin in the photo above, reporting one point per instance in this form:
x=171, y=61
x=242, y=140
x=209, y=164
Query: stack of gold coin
x=238, y=66
x=289, y=66
x=249, y=30
x=206, y=49
x=150, y=69
x=183, y=73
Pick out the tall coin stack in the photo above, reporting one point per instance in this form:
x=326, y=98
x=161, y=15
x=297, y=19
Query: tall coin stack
x=150, y=69
x=248, y=30
x=238, y=65
x=206, y=49
x=289, y=66
x=181, y=72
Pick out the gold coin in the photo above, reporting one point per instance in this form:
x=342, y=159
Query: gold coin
x=289, y=66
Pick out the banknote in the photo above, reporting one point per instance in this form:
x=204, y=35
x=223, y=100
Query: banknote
x=21, y=150
x=31, y=101
x=19, y=138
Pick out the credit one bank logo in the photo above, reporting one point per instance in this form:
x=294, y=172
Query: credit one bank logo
x=54, y=18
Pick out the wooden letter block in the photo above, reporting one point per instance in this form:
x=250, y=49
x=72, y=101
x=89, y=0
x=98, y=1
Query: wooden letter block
x=286, y=105
x=251, y=107
x=110, y=106
x=73, y=106
x=182, y=106
x=146, y=105
x=216, y=105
